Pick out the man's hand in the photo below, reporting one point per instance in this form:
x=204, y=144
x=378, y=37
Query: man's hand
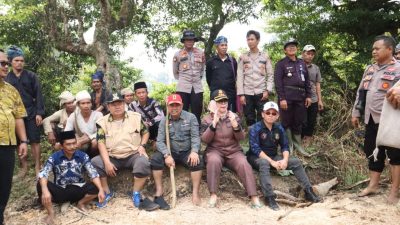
x=283, y=104
x=193, y=159
x=320, y=106
x=232, y=118
x=38, y=120
x=22, y=150
x=265, y=96
x=46, y=197
x=169, y=161
x=275, y=164
x=393, y=97
x=355, y=121
x=51, y=138
x=242, y=100
x=215, y=119
x=111, y=169
x=101, y=195
x=307, y=102
x=283, y=164
x=142, y=151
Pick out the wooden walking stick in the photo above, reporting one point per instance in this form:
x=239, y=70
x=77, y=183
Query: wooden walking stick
x=171, y=169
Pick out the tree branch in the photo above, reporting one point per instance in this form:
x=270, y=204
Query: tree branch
x=78, y=17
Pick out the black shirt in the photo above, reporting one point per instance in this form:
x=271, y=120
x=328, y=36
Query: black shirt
x=222, y=74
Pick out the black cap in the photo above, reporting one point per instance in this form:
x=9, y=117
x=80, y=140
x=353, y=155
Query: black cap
x=115, y=98
x=139, y=85
x=67, y=135
x=290, y=41
x=189, y=35
x=219, y=95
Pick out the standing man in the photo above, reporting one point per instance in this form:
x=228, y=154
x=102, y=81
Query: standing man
x=28, y=86
x=314, y=75
x=185, y=146
x=294, y=93
x=12, y=113
x=255, y=79
x=377, y=79
x=397, y=52
x=221, y=72
x=188, y=69
x=99, y=95
x=121, y=137
x=149, y=109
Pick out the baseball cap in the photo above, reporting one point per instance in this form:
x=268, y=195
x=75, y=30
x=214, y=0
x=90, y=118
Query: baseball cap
x=309, y=48
x=115, y=98
x=290, y=41
x=271, y=105
x=219, y=95
x=174, y=98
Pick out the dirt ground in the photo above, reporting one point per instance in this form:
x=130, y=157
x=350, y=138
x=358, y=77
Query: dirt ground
x=233, y=208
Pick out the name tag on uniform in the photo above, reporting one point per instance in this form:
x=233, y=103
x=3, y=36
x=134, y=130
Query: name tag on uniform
x=388, y=77
x=302, y=77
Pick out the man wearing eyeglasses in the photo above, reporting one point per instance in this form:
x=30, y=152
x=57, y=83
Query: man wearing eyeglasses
x=265, y=137
x=12, y=112
x=28, y=86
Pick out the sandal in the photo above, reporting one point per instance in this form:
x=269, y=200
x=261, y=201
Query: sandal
x=108, y=197
x=256, y=206
x=212, y=203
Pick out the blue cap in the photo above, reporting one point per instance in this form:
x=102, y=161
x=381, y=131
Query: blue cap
x=13, y=51
x=99, y=75
x=220, y=40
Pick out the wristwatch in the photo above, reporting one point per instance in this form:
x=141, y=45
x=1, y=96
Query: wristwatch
x=26, y=142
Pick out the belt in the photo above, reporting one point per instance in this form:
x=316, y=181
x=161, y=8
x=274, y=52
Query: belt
x=295, y=88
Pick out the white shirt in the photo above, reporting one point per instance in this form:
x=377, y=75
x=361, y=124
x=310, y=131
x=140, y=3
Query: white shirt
x=88, y=127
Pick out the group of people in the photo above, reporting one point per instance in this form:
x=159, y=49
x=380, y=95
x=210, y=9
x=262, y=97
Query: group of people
x=102, y=132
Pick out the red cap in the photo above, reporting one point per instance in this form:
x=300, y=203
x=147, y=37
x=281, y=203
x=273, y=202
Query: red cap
x=174, y=98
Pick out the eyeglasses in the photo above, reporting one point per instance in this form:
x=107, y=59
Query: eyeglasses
x=271, y=113
x=223, y=102
x=4, y=63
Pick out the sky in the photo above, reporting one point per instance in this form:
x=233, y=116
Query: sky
x=235, y=32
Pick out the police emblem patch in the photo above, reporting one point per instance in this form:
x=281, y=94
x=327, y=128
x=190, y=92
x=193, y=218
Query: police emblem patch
x=263, y=136
x=385, y=85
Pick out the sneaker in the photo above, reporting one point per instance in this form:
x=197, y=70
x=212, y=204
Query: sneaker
x=108, y=197
x=311, y=196
x=161, y=202
x=148, y=205
x=272, y=203
x=136, y=198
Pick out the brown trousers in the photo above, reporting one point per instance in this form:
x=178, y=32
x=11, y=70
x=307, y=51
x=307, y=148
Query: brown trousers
x=236, y=162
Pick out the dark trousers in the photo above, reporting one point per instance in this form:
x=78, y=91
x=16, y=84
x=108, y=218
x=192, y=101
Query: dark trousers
x=310, y=120
x=371, y=131
x=293, y=117
x=253, y=108
x=194, y=101
x=71, y=193
x=7, y=160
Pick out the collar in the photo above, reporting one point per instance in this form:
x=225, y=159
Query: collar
x=249, y=53
x=2, y=82
x=265, y=127
x=288, y=59
x=64, y=156
x=180, y=117
x=111, y=119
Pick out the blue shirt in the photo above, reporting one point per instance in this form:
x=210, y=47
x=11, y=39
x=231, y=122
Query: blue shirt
x=263, y=139
x=68, y=171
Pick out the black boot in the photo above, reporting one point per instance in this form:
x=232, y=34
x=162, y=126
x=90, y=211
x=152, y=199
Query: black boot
x=272, y=203
x=311, y=196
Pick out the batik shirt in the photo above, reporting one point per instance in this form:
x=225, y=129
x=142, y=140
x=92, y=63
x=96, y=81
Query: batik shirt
x=151, y=113
x=68, y=171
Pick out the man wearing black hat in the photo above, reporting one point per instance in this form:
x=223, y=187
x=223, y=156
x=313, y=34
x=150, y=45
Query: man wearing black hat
x=28, y=86
x=121, y=137
x=294, y=93
x=149, y=108
x=188, y=69
x=99, y=95
x=69, y=183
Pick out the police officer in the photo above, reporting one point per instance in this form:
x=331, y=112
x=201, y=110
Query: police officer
x=377, y=79
x=221, y=72
x=255, y=79
x=294, y=93
x=188, y=69
x=397, y=52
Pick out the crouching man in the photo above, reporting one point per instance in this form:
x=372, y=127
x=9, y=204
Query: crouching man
x=68, y=165
x=265, y=136
x=121, y=136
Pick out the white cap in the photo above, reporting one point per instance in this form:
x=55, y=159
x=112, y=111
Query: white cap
x=270, y=105
x=82, y=95
x=126, y=91
x=309, y=48
x=66, y=96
